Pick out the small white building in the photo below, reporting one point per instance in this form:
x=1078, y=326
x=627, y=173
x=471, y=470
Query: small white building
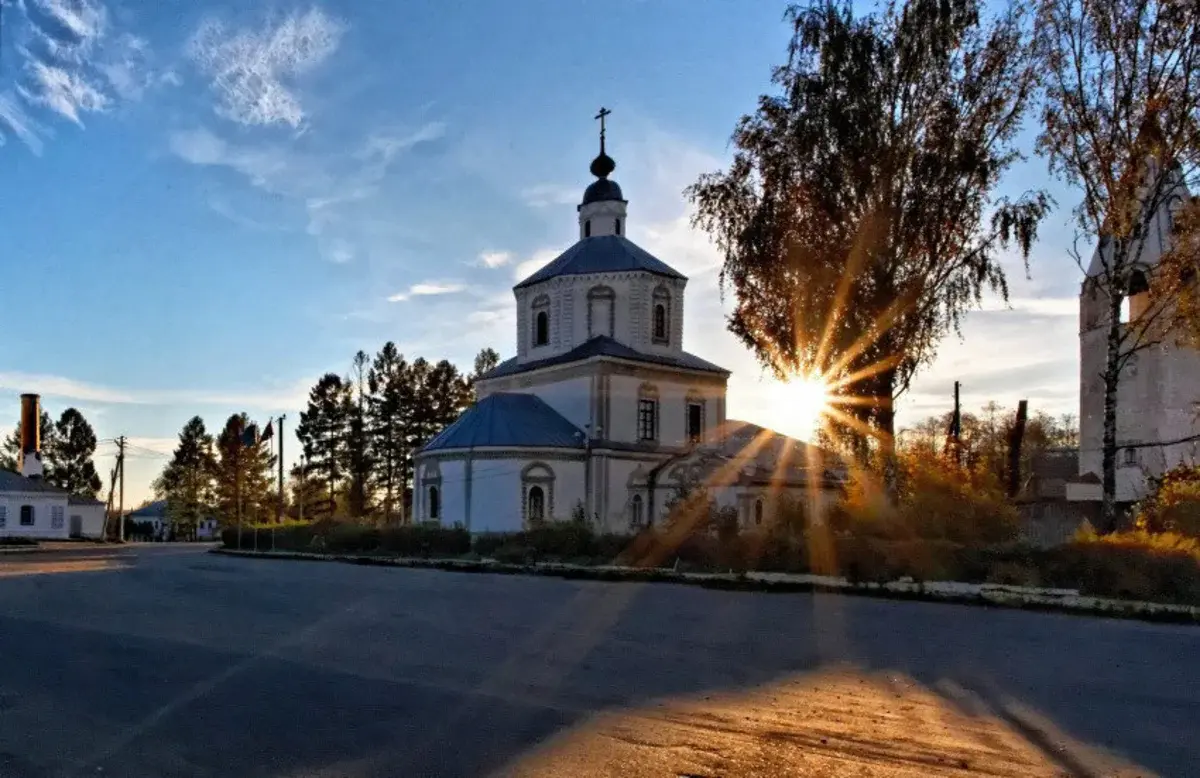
x=601, y=413
x=32, y=508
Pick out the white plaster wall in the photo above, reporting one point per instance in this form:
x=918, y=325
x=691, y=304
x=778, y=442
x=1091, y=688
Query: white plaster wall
x=92, y=519
x=570, y=397
x=672, y=408
x=615, y=509
x=496, y=494
x=42, y=504
x=603, y=216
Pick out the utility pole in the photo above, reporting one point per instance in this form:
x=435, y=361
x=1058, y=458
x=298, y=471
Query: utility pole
x=955, y=440
x=121, y=503
x=300, y=496
x=1015, y=439
x=279, y=517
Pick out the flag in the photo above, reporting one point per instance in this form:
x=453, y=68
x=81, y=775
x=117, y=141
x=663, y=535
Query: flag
x=267, y=433
x=250, y=435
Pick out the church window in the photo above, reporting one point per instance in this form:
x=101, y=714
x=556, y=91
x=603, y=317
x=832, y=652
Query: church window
x=537, y=505
x=1130, y=456
x=647, y=419
x=635, y=511
x=662, y=309
x=435, y=505
x=695, y=421
x=758, y=512
x=617, y=226
x=56, y=517
x=587, y=228
x=26, y=515
x=601, y=311
x=541, y=320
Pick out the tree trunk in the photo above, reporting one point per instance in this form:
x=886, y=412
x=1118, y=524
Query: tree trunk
x=1112, y=376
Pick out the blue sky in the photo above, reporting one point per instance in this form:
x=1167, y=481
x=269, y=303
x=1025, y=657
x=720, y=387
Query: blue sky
x=207, y=205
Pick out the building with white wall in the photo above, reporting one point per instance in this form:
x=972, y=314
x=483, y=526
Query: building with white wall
x=1158, y=390
x=32, y=508
x=601, y=413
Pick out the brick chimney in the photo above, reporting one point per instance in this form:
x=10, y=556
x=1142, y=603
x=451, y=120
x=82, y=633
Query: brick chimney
x=31, y=436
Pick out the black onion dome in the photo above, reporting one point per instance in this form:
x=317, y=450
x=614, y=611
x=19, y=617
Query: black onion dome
x=603, y=165
x=602, y=190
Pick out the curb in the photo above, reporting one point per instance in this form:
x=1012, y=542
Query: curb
x=986, y=595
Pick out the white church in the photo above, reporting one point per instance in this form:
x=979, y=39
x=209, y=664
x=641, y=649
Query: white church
x=602, y=413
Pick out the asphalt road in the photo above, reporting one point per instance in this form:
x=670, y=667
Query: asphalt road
x=166, y=661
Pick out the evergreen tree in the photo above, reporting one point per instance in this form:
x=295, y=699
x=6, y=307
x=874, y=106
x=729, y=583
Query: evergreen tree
x=10, y=452
x=74, y=447
x=243, y=474
x=186, y=483
x=389, y=406
x=322, y=431
x=358, y=451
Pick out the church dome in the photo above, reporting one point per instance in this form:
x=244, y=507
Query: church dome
x=602, y=190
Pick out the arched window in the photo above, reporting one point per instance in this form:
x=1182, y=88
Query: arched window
x=617, y=226
x=587, y=228
x=758, y=511
x=635, y=511
x=660, y=328
x=537, y=505
x=541, y=320
x=435, y=505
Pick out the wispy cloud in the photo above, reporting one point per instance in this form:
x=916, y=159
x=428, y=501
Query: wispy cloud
x=495, y=259
x=547, y=195
x=328, y=188
x=72, y=61
x=293, y=396
x=536, y=262
x=427, y=289
x=253, y=71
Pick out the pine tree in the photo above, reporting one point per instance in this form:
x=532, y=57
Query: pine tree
x=187, y=481
x=389, y=405
x=322, y=431
x=243, y=474
x=485, y=361
x=74, y=446
x=10, y=452
x=359, y=459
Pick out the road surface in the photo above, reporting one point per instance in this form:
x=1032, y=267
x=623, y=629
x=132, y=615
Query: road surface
x=168, y=661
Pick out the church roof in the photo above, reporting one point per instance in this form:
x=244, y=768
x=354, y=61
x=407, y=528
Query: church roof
x=509, y=420
x=604, y=346
x=602, y=254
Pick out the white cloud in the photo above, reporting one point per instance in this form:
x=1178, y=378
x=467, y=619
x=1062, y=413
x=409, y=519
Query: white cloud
x=294, y=396
x=253, y=71
x=70, y=60
x=495, y=259
x=14, y=119
x=536, y=262
x=329, y=188
x=63, y=92
x=427, y=289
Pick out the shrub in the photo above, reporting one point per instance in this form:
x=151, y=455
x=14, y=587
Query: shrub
x=1175, y=504
x=425, y=541
x=1133, y=565
x=8, y=541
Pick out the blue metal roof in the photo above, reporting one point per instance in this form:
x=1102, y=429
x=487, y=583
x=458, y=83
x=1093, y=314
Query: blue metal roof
x=604, y=346
x=155, y=510
x=509, y=419
x=601, y=190
x=602, y=254
x=15, y=482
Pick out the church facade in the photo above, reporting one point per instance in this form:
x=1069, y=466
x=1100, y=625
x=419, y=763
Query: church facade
x=601, y=414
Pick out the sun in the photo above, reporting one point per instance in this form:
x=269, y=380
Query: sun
x=798, y=406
